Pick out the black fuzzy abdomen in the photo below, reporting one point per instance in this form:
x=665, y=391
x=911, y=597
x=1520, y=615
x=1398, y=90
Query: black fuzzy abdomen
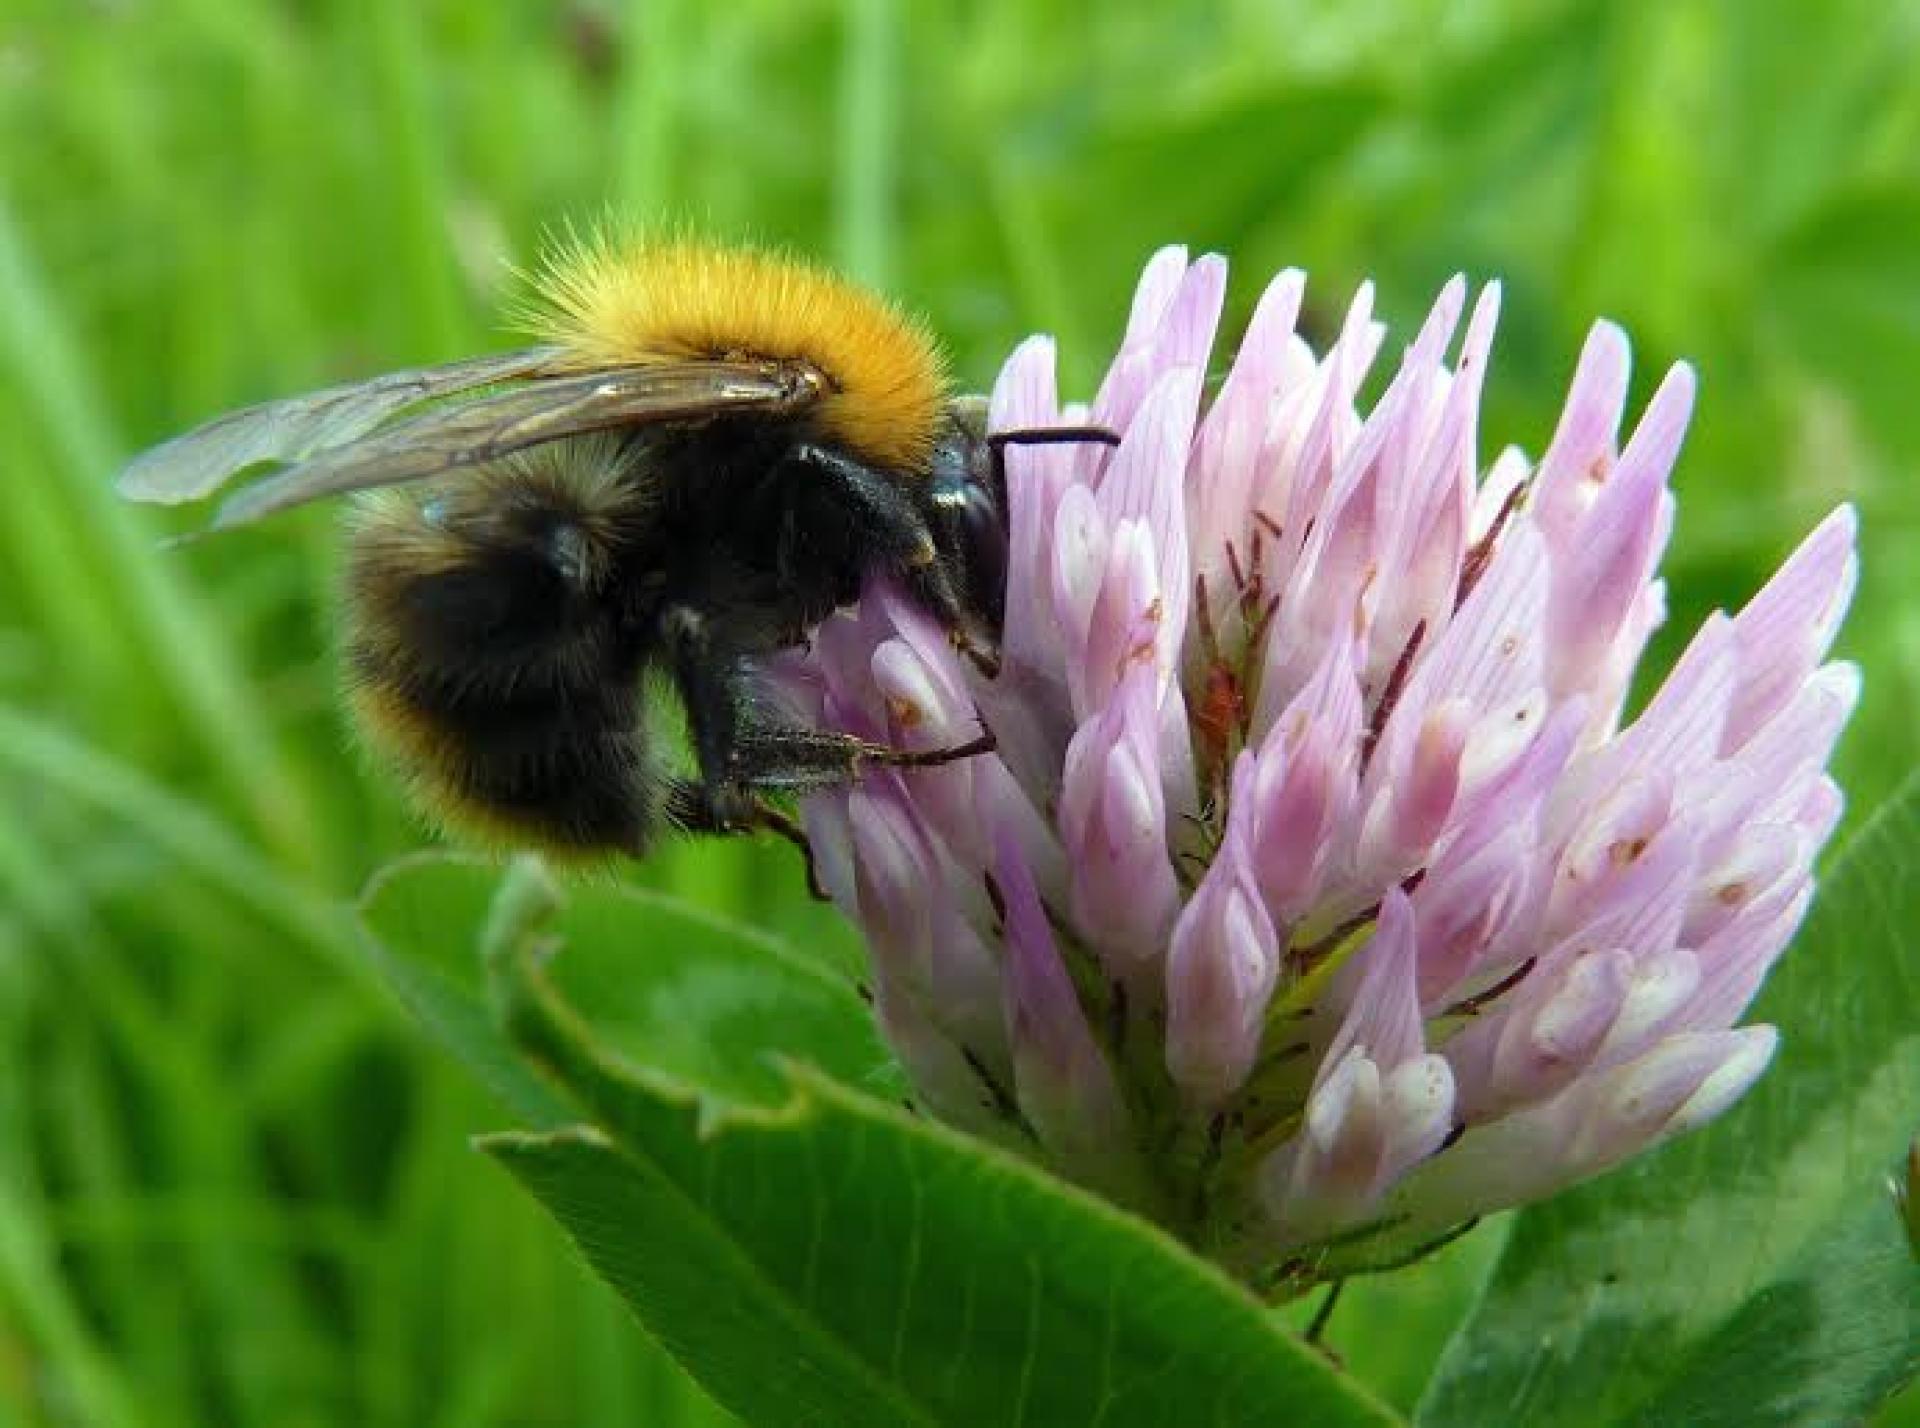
x=562, y=767
x=487, y=657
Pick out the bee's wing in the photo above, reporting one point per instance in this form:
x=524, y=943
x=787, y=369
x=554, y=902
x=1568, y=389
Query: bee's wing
x=460, y=434
x=201, y=461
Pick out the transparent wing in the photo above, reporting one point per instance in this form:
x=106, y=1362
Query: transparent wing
x=201, y=461
x=451, y=437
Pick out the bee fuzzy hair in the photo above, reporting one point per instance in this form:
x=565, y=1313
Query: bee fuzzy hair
x=607, y=301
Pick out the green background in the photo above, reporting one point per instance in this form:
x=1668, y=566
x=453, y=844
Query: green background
x=234, y=1186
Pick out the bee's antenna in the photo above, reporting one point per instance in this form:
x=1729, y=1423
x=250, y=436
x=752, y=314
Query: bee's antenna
x=999, y=441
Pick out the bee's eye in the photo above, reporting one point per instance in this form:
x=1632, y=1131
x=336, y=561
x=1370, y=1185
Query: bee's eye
x=978, y=532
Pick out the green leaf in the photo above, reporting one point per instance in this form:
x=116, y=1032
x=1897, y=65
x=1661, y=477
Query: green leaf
x=1640, y=1289
x=1827, y=1340
x=694, y=996
x=417, y=913
x=822, y=1256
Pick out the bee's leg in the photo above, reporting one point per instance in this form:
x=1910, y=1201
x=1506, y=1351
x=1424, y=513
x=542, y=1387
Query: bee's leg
x=696, y=808
x=740, y=753
x=903, y=539
x=782, y=757
x=713, y=687
x=740, y=756
x=715, y=690
x=782, y=824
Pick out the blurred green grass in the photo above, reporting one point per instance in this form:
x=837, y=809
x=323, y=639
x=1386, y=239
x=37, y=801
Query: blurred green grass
x=233, y=1188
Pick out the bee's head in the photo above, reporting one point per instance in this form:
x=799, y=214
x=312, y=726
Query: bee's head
x=969, y=501
x=969, y=494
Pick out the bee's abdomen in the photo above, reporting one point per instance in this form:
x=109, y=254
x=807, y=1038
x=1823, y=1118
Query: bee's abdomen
x=485, y=658
x=561, y=769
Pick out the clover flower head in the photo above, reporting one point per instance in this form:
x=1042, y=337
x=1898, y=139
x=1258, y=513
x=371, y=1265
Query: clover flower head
x=1319, y=895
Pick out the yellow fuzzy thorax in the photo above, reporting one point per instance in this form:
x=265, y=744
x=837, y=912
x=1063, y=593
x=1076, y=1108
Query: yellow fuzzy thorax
x=608, y=303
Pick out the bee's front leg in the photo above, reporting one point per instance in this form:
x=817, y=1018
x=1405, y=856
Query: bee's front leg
x=891, y=524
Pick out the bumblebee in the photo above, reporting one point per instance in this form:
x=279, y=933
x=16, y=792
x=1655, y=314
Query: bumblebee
x=709, y=451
